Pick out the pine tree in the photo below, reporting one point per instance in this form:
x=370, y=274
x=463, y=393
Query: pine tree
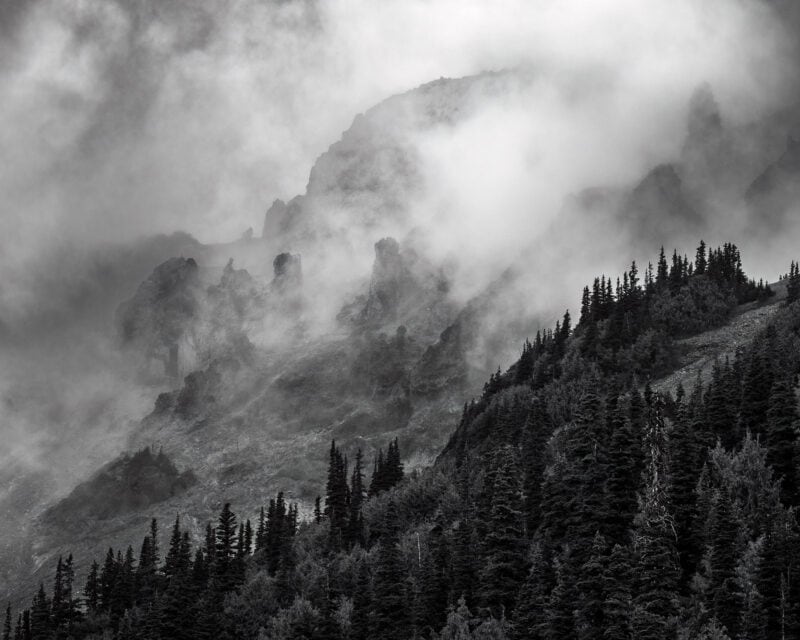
x=586, y=473
x=394, y=465
x=58, y=604
x=123, y=594
x=40, y=621
x=91, y=591
x=624, y=472
x=590, y=613
x=108, y=580
x=337, y=499
x=538, y=429
x=560, y=612
x=176, y=605
x=530, y=615
x=662, y=273
x=781, y=437
x=378, y=481
x=720, y=408
x=502, y=571
x=7, y=623
x=793, y=283
x=464, y=569
x=752, y=621
x=458, y=623
x=684, y=469
x=723, y=555
x=757, y=383
x=25, y=627
x=776, y=572
x=657, y=570
x=700, y=262
x=389, y=605
x=173, y=559
x=362, y=604
x=261, y=530
x=618, y=600
x=431, y=596
x=248, y=537
x=225, y=546
x=357, y=497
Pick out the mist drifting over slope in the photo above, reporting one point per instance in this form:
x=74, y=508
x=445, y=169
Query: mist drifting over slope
x=137, y=117
x=131, y=118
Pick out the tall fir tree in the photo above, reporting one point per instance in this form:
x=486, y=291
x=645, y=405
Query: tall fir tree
x=502, y=571
x=781, y=438
x=390, y=607
x=657, y=570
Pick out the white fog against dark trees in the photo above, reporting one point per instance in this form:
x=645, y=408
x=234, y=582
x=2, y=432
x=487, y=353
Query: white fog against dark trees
x=399, y=319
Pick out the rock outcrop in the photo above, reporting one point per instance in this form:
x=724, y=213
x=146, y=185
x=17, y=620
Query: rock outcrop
x=129, y=483
x=658, y=206
x=155, y=318
x=776, y=191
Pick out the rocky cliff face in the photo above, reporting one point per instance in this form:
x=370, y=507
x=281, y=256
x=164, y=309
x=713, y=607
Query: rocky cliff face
x=775, y=193
x=156, y=318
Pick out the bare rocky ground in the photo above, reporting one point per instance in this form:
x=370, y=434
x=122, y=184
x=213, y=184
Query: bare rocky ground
x=698, y=353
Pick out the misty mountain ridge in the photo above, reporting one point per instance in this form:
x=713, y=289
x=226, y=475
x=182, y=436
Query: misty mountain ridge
x=252, y=365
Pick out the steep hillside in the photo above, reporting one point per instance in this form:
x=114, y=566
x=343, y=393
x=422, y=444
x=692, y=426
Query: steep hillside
x=569, y=464
x=337, y=323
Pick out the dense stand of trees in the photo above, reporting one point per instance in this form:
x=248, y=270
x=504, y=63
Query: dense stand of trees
x=574, y=500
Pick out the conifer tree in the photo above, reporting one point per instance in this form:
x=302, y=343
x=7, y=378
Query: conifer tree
x=337, y=499
x=25, y=627
x=123, y=593
x=502, y=572
x=261, y=530
x=248, y=537
x=590, y=613
x=377, y=482
x=586, y=474
x=394, y=465
x=657, y=571
x=781, y=437
x=662, y=273
x=177, y=604
x=432, y=594
x=464, y=561
x=225, y=546
x=538, y=429
x=389, y=604
x=362, y=603
x=618, y=600
x=684, y=471
x=752, y=621
x=723, y=554
x=108, y=580
x=458, y=623
x=530, y=615
x=624, y=451
x=700, y=262
x=40, y=621
x=357, y=497
x=173, y=558
x=7, y=623
x=793, y=283
x=91, y=592
x=757, y=383
x=560, y=612
x=58, y=604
